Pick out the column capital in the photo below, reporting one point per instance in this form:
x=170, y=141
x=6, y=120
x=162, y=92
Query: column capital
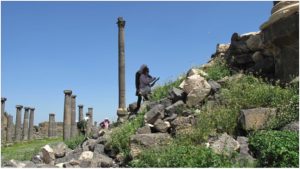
x=90, y=108
x=80, y=105
x=3, y=99
x=51, y=114
x=73, y=96
x=32, y=108
x=19, y=106
x=26, y=108
x=68, y=92
x=121, y=22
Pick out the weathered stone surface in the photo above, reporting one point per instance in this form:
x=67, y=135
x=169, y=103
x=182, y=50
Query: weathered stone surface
x=102, y=161
x=155, y=113
x=293, y=126
x=192, y=72
x=254, y=42
x=75, y=154
x=257, y=118
x=37, y=159
x=60, y=149
x=257, y=56
x=192, y=82
x=139, y=141
x=244, y=155
x=222, y=48
x=165, y=102
x=161, y=126
x=225, y=145
x=181, y=123
x=171, y=117
x=215, y=86
x=46, y=166
x=177, y=94
x=15, y=164
x=99, y=148
x=244, y=58
x=48, y=155
x=89, y=145
x=144, y=130
x=86, y=155
x=197, y=95
x=175, y=108
x=60, y=165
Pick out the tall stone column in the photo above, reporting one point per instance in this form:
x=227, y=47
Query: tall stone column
x=18, y=129
x=91, y=116
x=80, y=110
x=25, y=123
x=31, y=120
x=52, y=125
x=88, y=124
x=73, y=117
x=67, y=115
x=121, y=45
x=3, y=121
x=10, y=127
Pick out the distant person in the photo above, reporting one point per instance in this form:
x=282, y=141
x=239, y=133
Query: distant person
x=105, y=124
x=143, y=83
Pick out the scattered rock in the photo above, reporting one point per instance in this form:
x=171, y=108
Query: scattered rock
x=257, y=118
x=37, y=159
x=161, y=126
x=222, y=48
x=177, y=94
x=175, y=108
x=215, y=86
x=48, y=155
x=171, y=118
x=192, y=72
x=157, y=112
x=86, y=155
x=144, y=130
x=182, y=124
x=102, y=161
x=89, y=145
x=132, y=107
x=225, y=145
x=60, y=149
x=293, y=126
x=99, y=148
x=165, y=102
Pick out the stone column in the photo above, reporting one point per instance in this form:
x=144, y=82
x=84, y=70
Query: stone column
x=67, y=115
x=88, y=125
x=10, y=127
x=122, y=105
x=95, y=124
x=18, y=129
x=25, y=123
x=31, y=120
x=80, y=110
x=73, y=117
x=52, y=125
x=3, y=132
x=91, y=116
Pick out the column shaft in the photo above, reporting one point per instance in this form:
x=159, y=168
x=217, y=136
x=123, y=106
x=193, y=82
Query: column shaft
x=67, y=115
x=10, y=127
x=18, y=129
x=52, y=126
x=80, y=110
x=3, y=121
x=121, y=46
x=25, y=123
x=73, y=117
x=31, y=120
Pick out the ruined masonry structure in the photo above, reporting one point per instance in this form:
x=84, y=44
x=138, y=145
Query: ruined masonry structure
x=25, y=123
x=31, y=120
x=67, y=115
x=121, y=112
x=73, y=116
x=91, y=118
x=18, y=129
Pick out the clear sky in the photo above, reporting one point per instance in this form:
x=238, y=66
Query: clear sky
x=48, y=47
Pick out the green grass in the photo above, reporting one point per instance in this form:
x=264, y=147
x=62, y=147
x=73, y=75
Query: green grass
x=175, y=155
x=218, y=70
x=120, y=136
x=25, y=150
x=72, y=143
x=276, y=148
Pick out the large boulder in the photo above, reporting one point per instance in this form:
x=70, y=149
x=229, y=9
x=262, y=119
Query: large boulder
x=140, y=141
x=157, y=112
x=144, y=130
x=244, y=156
x=48, y=155
x=255, y=43
x=182, y=124
x=99, y=148
x=86, y=155
x=257, y=118
x=225, y=144
x=89, y=144
x=192, y=82
x=19, y=164
x=75, y=154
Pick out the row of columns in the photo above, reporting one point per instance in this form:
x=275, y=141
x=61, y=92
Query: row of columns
x=70, y=125
x=27, y=133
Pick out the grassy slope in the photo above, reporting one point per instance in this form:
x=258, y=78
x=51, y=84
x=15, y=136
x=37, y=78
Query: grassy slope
x=24, y=151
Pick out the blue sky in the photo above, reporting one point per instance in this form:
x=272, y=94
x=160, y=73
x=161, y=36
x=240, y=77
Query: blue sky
x=48, y=47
